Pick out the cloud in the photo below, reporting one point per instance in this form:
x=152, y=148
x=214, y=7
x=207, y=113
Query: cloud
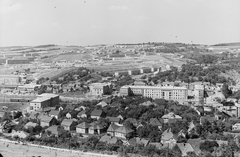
x=119, y=7
x=140, y=17
x=7, y=7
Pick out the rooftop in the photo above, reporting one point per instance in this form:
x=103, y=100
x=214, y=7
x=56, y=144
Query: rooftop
x=155, y=87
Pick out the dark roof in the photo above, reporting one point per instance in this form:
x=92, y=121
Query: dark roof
x=124, y=129
x=97, y=126
x=207, y=118
x=113, y=119
x=83, y=125
x=108, y=100
x=109, y=139
x=137, y=140
x=195, y=143
x=54, y=112
x=54, y=129
x=155, y=122
x=96, y=112
x=81, y=113
x=70, y=107
x=115, y=104
x=112, y=127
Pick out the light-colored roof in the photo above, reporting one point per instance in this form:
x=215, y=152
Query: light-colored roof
x=113, y=127
x=67, y=122
x=185, y=148
x=39, y=100
x=195, y=143
x=49, y=95
x=167, y=135
x=30, y=124
x=83, y=125
x=171, y=115
x=155, y=87
x=46, y=118
x=155, y=122
x=96, y=112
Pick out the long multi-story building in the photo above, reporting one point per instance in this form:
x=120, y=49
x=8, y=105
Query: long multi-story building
x=100, y=88
x=10, y=80
x=43, y=101
x=157, y=92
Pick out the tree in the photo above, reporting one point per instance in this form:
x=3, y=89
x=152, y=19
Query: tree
x=226, y=91
x=237, y=95
x=130, y=92
x=208, y=146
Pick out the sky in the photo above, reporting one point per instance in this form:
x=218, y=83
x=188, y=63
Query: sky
x=91, y=22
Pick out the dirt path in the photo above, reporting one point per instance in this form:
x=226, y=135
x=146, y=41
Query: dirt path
x=12, y=149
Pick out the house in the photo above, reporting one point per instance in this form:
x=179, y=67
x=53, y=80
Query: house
x=20, y=134
x=46, y=120
x=82, y=128
x=68, y=116
x=97, y=114
x=96, y=129
x=30, y=124
x=113, y=119
x=191, y=126
x=112, y=128
x=185, y=148
x=170, y=116
x=120, y=116
x=102, y=104
x=155, y=122
x=136, y=140
x=157, y=145
x=207, y=118
x=236, y=127
x=107, y=100
x=123, y=131
x=195, y=143
x=109, y=139
x=168, y=138
x=69, y=124
x=115, y=104
x=54, y=113
x=54, y=130
x=70, y=107
x=82, y=114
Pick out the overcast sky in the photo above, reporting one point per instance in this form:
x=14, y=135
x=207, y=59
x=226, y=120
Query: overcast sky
x=88, y=22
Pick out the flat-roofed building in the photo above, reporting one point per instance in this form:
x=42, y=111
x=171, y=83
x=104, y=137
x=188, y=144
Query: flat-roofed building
x=157, y=92
x=44, y=100
x=10, y=80
x=100, y=88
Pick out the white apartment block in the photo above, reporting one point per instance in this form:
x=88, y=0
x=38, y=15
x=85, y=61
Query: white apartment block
x=100, y=88
x=10, y=79
x=158, y=92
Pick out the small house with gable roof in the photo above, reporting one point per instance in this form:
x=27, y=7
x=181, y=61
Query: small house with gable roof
x=82, y=128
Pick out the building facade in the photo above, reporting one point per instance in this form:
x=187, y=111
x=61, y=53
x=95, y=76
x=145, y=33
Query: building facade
x=157, y=92
x=100, y=88
x=44, y=100
x=10, y=80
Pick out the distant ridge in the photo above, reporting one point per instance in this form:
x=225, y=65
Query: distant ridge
x=228, y=44
x=43, y=46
